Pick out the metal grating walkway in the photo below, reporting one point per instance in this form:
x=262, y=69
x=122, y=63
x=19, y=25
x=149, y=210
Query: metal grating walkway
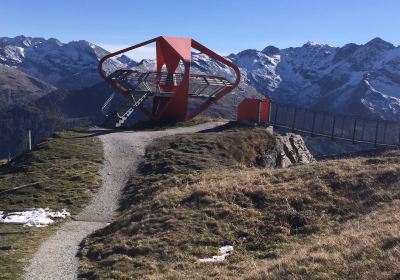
x=160, y=84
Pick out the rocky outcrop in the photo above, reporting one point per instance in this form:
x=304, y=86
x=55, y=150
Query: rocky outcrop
x=289, y=149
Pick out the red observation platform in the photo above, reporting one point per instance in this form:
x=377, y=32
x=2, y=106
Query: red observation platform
x=172, y=85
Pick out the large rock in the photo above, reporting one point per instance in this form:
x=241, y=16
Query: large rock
x=289, y=149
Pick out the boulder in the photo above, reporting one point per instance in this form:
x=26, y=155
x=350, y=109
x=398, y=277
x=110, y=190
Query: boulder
x=289, y=149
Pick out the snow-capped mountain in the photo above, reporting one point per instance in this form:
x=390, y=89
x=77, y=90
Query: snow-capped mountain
x=355, y=79
x=361, y=80
x=358, y=80
x=70, y=65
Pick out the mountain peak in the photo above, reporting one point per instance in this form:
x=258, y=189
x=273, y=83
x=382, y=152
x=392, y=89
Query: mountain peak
x=20, y=37
x=380, y=43
x=54, y=41
x=20, y=41
x=313, y=44
x=247, y=52
x=271, y=50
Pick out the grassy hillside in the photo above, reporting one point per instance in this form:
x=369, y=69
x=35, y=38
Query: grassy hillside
x=67, y=168
x=195, y=193
x=55, y=111
x=17, y=88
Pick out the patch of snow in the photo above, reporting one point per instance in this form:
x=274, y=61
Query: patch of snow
x=314, y=44
x=37, y=217
x=21, y=51
x=224, y=251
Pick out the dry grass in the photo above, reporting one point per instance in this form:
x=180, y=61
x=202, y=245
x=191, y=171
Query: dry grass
x=67, y=169
x=201, y=151
x=198, y=192
x=366, y=248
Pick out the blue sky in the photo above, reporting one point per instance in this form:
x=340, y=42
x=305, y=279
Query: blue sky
x=223, y=25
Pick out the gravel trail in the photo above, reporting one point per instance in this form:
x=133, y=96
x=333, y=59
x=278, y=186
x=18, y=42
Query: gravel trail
x=123, y=150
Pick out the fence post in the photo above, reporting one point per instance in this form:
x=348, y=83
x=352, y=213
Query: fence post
x=269, y=111
x=29, y=140
x=333, y=127
x=354, y=130
x=376, y=132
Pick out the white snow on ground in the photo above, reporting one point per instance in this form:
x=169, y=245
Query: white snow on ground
x=36, y=217
x=224, y=251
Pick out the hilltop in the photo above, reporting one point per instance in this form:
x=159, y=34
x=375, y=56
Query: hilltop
x=197, y=192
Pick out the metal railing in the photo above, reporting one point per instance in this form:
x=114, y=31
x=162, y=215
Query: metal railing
x=356, y=130
x=162, y=83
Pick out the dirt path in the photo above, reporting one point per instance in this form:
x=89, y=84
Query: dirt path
x=123, y=150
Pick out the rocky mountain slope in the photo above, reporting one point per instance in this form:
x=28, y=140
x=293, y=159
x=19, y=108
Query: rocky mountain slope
x=46, y=85
x=354, y=79
x=17, y=88
x=70, y=65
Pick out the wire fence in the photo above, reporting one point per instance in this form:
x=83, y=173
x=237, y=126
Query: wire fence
x=357, y=130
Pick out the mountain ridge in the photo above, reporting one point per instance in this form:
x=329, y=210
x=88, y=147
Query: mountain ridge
x=314, y=73
x=360, y=80
x=305, y=76
x=71, y=66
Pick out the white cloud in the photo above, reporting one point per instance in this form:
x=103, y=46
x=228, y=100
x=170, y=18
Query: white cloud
x=146, y=52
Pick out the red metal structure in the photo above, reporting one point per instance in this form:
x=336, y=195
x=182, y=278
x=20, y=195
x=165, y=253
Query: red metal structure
x=253, y=110
x=170, y=89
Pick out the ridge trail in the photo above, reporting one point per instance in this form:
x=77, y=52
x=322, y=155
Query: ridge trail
x=123, y=150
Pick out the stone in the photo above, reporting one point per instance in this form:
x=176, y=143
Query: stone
x=289, y=150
